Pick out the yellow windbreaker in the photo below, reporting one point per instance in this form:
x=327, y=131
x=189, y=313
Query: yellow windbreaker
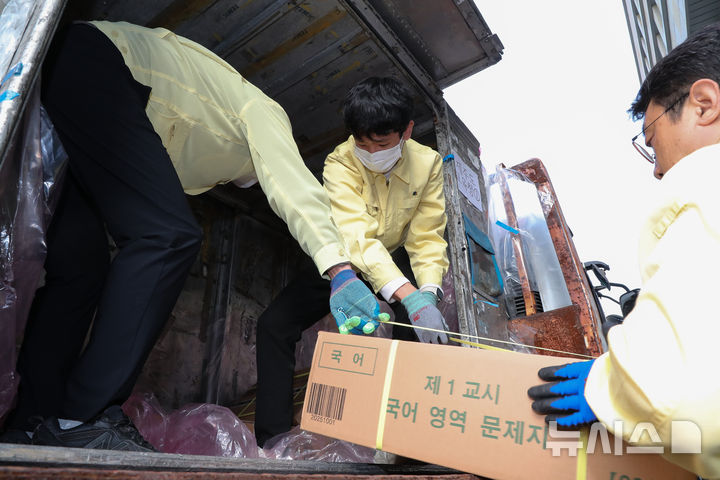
x=217, y=127
x=375, y=216
x=661, y=366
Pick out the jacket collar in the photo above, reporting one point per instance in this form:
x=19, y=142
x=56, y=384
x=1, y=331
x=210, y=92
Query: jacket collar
x=402, y=168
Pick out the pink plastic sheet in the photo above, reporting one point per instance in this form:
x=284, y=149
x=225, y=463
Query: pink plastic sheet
x=207, y=429
x=195, y=429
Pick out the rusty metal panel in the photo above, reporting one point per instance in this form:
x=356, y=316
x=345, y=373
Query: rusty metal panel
x=573, y=270
x=557, y=329
x=572, y=329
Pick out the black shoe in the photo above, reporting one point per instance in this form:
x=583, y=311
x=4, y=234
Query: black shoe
x=21, y=433
x=15, y=435
x=111, y=430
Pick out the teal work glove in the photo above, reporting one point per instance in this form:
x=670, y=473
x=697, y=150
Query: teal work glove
x=423, y=313
x=563, y=399
x=353, y=305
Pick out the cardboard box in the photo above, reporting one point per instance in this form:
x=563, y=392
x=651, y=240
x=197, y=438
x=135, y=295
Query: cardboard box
x=459, y=407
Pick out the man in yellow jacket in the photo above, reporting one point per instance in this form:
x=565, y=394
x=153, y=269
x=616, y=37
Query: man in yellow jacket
x=658, y=370
x=386, y=196
x=146, y=117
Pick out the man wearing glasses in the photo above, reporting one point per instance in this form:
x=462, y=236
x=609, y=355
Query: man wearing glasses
x=658, y=365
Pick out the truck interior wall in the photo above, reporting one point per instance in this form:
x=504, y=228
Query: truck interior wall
x=190, y=350
x=305, y=54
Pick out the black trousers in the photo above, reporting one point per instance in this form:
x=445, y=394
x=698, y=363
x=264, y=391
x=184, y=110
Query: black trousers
x=302, y=303
x=120, y=182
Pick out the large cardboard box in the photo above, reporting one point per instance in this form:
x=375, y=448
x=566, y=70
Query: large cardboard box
x=459, y=407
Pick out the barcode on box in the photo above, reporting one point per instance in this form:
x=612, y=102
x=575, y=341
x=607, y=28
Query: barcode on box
x=326, y=401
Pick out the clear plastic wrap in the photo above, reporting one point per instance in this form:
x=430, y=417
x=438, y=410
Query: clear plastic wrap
x=29, y=179
x=538, y=255
x=522, y=334
x=299, y=444
x=447, y=305
x=13, y=21
x=306, y=346
x=195, y=429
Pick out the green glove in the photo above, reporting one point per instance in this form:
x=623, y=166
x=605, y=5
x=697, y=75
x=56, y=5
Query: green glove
x=423, y=313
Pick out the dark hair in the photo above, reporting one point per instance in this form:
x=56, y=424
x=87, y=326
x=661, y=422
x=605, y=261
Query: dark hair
x=377, y=106
x=671, y=77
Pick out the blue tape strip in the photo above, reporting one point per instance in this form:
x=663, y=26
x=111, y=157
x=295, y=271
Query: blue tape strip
x=489, y=303
x=507, y=227
x=448, y=157
x=15, y=70
x=8, y=95
x=472, y=232
x=497, y=273
x=477, y=235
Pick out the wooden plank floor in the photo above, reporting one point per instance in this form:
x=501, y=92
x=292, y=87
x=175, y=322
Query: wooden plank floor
x=35, y=462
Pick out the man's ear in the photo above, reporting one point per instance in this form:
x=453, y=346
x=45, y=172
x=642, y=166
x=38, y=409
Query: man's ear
x=705, y=100
x=408, y=131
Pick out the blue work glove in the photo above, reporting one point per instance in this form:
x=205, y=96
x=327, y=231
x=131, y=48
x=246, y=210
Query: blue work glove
x=563, y=400
x=423, y=313
x=353, y=305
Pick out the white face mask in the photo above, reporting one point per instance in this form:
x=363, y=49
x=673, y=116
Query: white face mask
x=381, y=161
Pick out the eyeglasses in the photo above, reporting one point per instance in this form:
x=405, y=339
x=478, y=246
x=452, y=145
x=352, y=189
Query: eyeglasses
x=650, y=157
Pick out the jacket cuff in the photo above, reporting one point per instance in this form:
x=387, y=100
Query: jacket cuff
x=430, y=276
x=328, y=256
x=389, y=289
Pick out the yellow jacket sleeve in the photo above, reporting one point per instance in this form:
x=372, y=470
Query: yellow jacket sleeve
x=344, y=184
x=425, y=244
x=217, y=127
x=293, y=192
x=660, y=366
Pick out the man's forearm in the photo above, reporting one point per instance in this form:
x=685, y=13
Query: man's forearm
x=335, y=269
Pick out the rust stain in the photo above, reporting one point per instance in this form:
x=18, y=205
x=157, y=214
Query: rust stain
x=558, y=329
x=575, y=278
x=177, y=12
x=301, y=37
x=529, y=299
x=354, y=42
x=353, y=66
x=321, y=89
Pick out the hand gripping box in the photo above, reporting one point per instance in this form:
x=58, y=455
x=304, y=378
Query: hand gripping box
x=463, y=408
